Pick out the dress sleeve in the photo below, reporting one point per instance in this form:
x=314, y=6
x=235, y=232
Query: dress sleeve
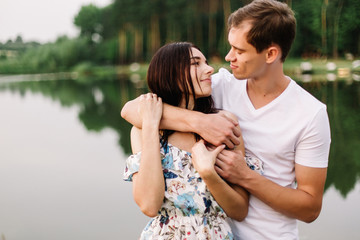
x=132, y=166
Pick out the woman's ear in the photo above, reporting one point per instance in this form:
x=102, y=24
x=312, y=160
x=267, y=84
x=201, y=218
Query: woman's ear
x=273, y=53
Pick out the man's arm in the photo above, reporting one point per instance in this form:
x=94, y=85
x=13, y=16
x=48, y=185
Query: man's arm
x=303, y=203
x=214, y=128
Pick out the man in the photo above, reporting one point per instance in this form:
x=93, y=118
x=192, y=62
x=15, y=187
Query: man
x=282, y=124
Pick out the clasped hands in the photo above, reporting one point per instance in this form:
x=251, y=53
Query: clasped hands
x=209, y=160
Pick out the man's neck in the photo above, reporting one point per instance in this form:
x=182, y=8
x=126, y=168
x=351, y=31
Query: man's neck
x=266, y=88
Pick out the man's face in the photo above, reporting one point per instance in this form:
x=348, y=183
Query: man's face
x=245, y=62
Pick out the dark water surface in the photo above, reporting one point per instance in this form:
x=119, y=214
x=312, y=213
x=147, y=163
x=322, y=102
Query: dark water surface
x=63, y=146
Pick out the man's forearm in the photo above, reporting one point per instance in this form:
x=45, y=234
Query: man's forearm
x=173, y=118
x=180, y=119
x=298, y=203
x=130, y=113
x=214, y=128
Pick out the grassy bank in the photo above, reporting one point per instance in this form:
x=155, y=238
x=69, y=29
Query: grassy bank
x=137, y=71
x=291, y=67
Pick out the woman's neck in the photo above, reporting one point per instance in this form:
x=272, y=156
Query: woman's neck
x=191, y=103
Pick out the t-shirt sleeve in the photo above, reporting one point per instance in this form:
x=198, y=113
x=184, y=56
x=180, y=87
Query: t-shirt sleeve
x=218, y=86
x=132, y=166
x=313, y=149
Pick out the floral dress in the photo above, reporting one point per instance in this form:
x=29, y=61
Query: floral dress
x=189, y=211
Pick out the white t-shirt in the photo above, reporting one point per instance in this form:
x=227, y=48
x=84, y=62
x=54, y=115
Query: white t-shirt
x=293, y=128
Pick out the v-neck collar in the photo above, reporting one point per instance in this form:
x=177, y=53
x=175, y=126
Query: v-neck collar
x=274, y=101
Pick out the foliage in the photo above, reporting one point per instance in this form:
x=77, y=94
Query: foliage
x=349, y=36
x=52, y=57
x=308, y=37
x=128, y=31
x=88, y=20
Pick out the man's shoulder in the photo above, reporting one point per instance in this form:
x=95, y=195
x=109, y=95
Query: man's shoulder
x=304, y=97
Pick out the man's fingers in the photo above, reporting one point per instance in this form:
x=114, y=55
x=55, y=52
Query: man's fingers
x=221, y=156
x=235, y=122
x=231, y=139
x=232, y=142
x=219, y=163
x=237, y=132
x=224, y=156
x=229, y=143
x=219, y=149
x=219, y=170
x=235, y=140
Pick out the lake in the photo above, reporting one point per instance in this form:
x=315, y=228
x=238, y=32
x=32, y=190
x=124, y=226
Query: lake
x=63, y=148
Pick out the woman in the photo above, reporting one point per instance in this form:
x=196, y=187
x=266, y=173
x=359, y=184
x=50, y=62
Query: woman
x=178, y=185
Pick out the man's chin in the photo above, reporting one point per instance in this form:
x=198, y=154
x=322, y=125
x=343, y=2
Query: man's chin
x=239, y=76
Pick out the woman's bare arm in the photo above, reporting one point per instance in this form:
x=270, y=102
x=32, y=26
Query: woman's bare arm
x=232, y=198
x=148, y=182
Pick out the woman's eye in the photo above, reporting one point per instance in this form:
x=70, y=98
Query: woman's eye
x=195, y=63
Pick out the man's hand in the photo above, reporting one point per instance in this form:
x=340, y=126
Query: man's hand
x=218, y=129
x=232, y=166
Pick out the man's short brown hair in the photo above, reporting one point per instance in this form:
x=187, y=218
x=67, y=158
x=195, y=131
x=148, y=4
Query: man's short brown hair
x=272, y=22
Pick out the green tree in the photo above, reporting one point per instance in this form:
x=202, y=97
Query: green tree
x=308, y=38
x=349, y=28
x=88, y=20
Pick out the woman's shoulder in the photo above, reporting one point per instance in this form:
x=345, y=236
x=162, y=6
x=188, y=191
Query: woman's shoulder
x=228, y=114
x=182, y=140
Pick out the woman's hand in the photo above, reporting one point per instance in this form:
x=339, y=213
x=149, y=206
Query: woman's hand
x=204, y=158
x=150, y=109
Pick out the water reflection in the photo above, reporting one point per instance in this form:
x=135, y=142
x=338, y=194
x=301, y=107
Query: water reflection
x=100, y=103
x=342, y=98
x=57, y=179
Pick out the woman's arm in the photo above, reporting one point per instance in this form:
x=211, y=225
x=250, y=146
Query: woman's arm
x=148, y=182
x=232, y=198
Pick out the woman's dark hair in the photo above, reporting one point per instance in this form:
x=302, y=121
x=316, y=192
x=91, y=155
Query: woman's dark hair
x=169, y=77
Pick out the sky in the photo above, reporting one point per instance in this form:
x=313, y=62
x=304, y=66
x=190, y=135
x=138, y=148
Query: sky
x=41, y=20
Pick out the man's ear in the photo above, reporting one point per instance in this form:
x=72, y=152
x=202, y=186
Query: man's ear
x=273, y=53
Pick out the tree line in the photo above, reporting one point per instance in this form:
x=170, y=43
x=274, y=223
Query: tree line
x=127, y=30
x=325, y=28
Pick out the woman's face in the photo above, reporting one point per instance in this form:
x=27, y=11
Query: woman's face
x=200, y=73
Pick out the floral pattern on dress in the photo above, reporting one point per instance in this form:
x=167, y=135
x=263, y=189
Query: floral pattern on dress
x=189, y=211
